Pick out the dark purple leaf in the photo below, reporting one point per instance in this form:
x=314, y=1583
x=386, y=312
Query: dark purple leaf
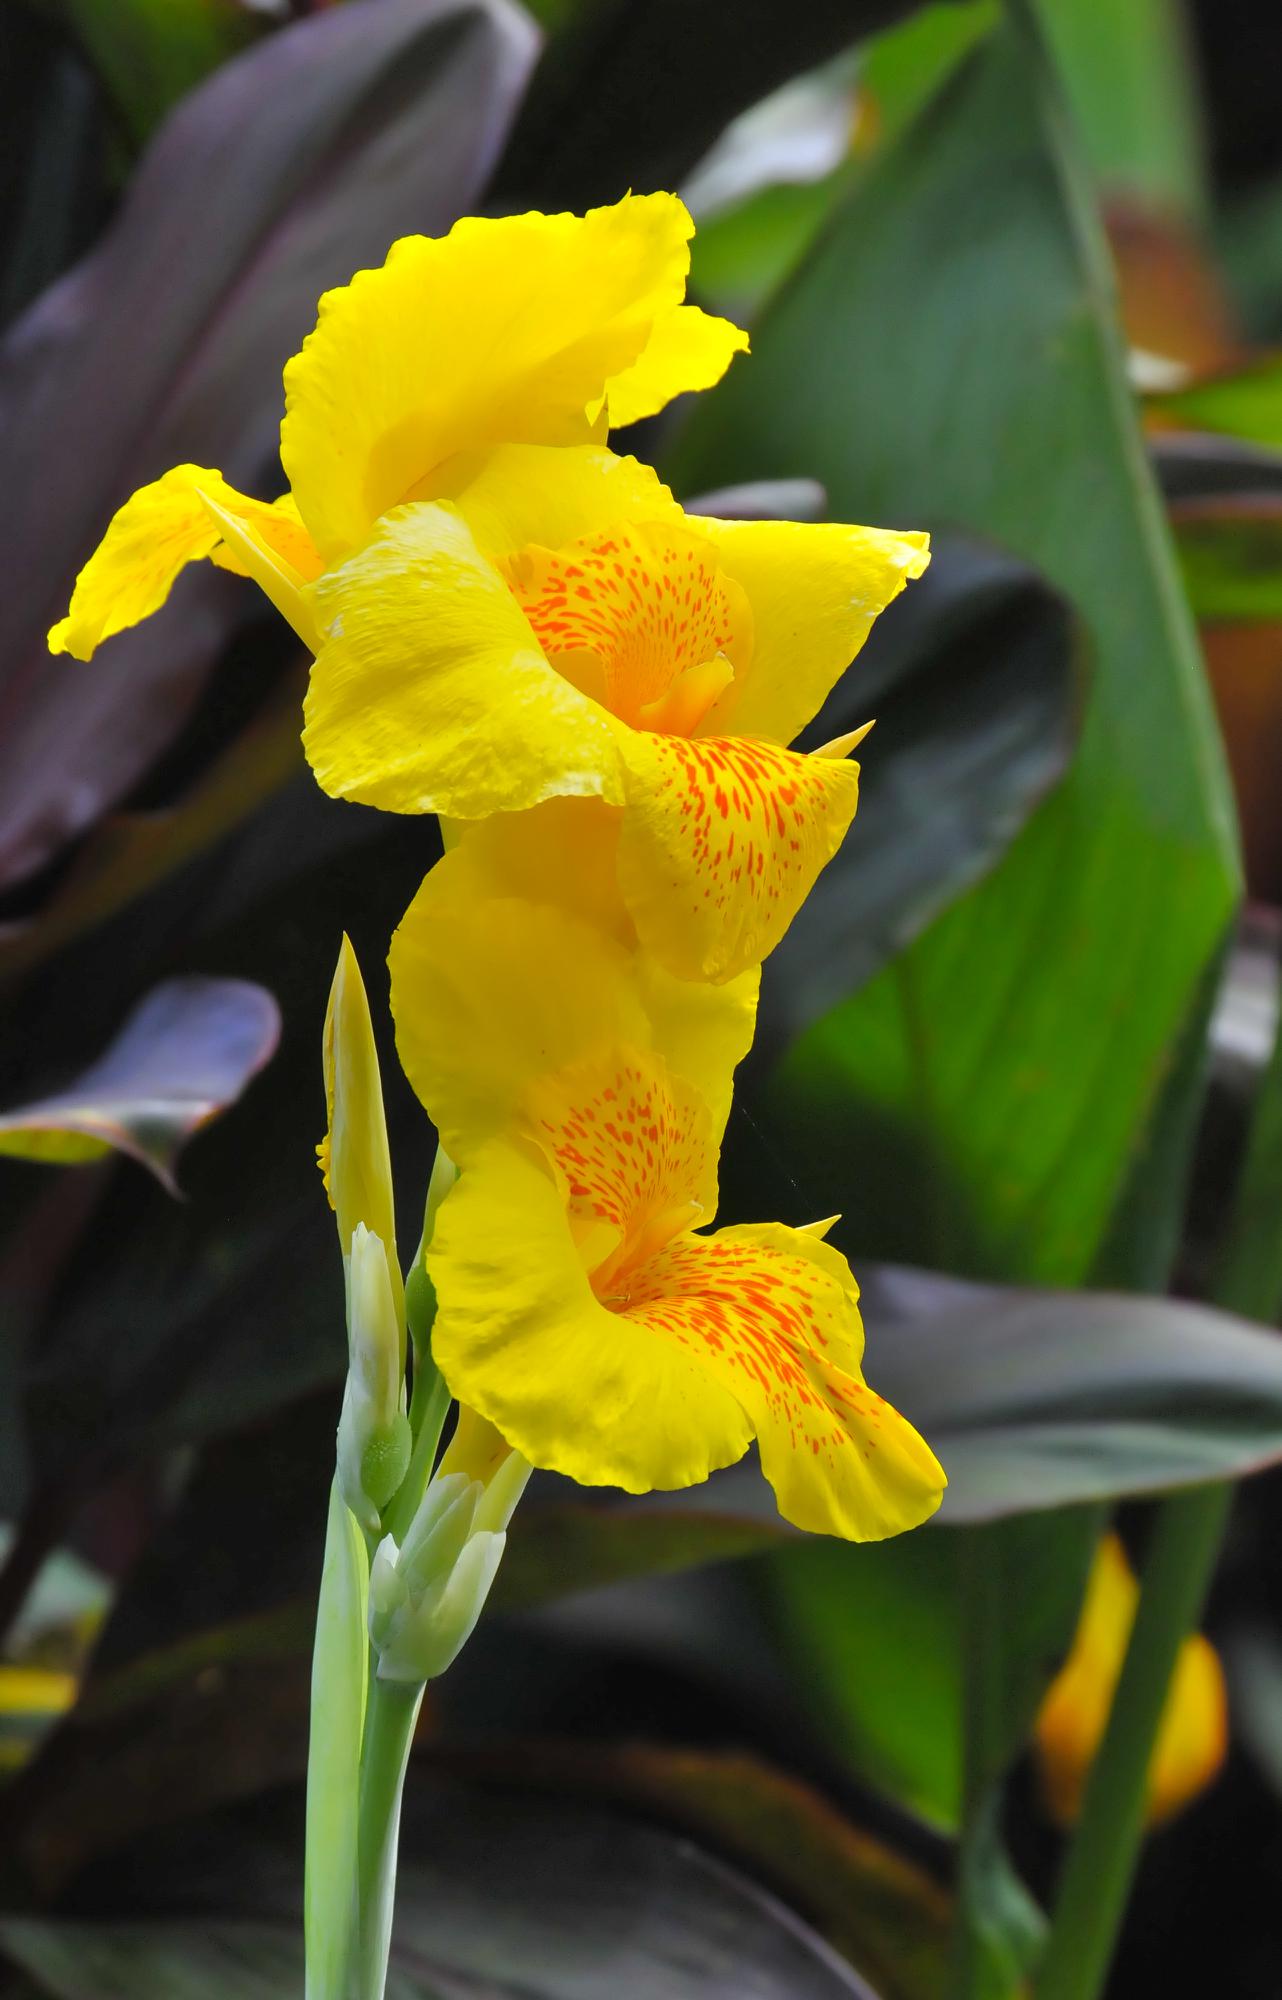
x=294, y=166
x=185, y=1053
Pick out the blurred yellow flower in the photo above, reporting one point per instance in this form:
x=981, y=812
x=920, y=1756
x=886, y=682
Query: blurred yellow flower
x=32, y=1700
x=1193, y=1735
x=578, y=1308
x=534, y=328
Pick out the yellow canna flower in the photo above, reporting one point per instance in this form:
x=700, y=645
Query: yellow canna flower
x=516, y=956
x=1193, y=1735
x=579, y=1309
x=553, y=625
x=504, y=612
x=532, y=328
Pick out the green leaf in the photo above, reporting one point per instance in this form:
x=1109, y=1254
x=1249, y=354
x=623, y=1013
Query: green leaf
x=1241, y=403
x=554, y=1550
x=1037, y=1400
x=977, y=684
x=1132, y=90
x=149, y=52
x=186, y=1052
x=1230, y=550
x=881, y=1633
x=906, y=66
x=977, y=1104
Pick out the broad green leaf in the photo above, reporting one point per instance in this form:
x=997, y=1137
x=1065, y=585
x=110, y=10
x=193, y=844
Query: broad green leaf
x=1037, y=1400
x=302, y=160
x=977, y=1104
x=882, y=1631
x=977, y=684
x=186, y=1052
x=554, y=1550
x=1132, y=90
x=1243, y=403
x=906, y=66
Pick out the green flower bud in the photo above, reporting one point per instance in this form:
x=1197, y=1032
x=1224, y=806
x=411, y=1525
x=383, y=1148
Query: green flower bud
x=426, y=1595
x=374, y=1440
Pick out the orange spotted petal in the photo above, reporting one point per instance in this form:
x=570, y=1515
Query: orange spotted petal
x=521, y=1336
x=634, y=1151
x=721, y=842
x=771, y=1313
x=630, y=611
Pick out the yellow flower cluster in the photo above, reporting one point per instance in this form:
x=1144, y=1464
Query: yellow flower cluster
x=520, y=630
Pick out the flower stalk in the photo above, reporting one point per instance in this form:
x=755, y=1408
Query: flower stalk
x=1103, y=1854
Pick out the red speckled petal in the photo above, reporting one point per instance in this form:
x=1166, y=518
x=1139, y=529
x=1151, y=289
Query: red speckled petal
x=722, y=840
x=634, y=1150
x=773, y=1314
x=624, y=613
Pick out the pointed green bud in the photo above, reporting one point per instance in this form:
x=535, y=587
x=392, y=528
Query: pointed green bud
x=354, y=1154
x=374, y=1440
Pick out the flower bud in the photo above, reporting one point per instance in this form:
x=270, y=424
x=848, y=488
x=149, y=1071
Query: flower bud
x=373, y=1432
x=426, y=1595
x=1192, y=1737
x=354, y=1153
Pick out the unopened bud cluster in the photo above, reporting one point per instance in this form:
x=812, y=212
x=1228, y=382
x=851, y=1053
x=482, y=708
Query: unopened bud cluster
x=426, y=1595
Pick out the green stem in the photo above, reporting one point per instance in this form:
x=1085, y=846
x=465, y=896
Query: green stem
x=977, y=1579
x=1186, y=1540
x=389, y=1733
x=429, y=1405
x=1105, y=1847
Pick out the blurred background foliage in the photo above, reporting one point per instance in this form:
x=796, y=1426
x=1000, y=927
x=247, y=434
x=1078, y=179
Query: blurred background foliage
x=1013, y=273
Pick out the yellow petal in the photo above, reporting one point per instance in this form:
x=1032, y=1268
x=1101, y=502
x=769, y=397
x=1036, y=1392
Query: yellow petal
x=1193, y=1733
x=633, y=1150
x=475, y=1032
x=517, y=494
x=520, y=1337
x=281, y=529
x=630, y=612
x=476, y=1449
x=815, y=589
x=429, y=692
x=504, y=331
x=690, y=1352
x=772, y=1314
x=491, y=995
x=688, y=349
x=158, y=531
x=721, y=842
